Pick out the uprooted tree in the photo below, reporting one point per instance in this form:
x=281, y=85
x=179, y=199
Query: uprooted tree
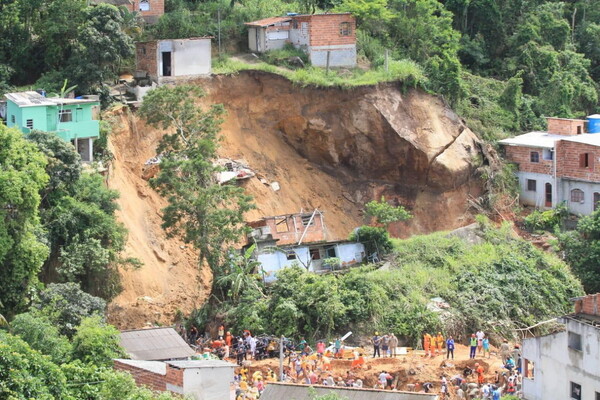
x=205, y=213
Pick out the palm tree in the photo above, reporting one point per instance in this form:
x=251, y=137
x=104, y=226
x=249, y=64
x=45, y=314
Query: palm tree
x=241, y=275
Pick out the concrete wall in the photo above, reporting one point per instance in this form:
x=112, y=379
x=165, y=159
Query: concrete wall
x=191, y=57
x=253, y=39
x=587, y=206
x=556, y=365
x=339, y=56
x=207, y=383
x=537, y=198
x=300, y=32
x=350, y=253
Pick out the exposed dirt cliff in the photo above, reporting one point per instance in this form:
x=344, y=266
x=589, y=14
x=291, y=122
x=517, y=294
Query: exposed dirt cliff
x=331, y=149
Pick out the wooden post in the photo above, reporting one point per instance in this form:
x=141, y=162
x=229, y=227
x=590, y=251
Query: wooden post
x=219, y=25
x=328, y=55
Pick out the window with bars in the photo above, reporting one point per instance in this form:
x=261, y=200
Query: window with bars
x=65, y=115
x=531, y=185
x=577, y=196
x=345, y=29
x=29, y=123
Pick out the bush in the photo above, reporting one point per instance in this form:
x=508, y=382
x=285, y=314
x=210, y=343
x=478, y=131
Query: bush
x=376, y=240
x=284, y=56
x=96, y=342
x=548, y=220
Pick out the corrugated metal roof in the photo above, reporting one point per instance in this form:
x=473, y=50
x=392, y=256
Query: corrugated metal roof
x=201, y=364
x=269, y=21
x=547, y=140
x=278, y=391
x=155, y=344
x=34, y=99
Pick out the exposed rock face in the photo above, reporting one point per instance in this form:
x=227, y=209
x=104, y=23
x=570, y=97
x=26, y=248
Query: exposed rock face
x=376, y=140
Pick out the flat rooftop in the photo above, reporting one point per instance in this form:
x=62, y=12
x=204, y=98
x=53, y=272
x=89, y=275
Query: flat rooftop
x=34, y=99
x=548, y=140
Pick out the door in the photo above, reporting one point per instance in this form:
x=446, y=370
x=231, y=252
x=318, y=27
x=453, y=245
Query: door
x=596, y=200
x=166, y=63
x=548, y=195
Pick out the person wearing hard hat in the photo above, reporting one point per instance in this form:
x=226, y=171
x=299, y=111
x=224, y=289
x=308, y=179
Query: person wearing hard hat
x=376, y=340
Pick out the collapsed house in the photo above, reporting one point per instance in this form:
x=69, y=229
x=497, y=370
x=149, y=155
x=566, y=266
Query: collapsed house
x=328, y=39
x=300, y=239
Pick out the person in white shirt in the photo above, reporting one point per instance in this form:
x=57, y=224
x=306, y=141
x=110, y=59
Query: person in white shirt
x=480, y=335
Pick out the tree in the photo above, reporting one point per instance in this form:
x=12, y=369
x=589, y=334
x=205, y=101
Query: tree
x=581, y=249
x=101, y=46
x=384, y=213
x=42, y=335
x=27, y=374
x=22, y=253
x=96, y=342
x=376, y=239
x=203, y=212
x=65, y=305
x=240, y=275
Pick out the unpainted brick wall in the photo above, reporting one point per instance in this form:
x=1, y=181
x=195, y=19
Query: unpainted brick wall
x=522, y=156
x=561, y=126
x=146, y=57
x=315, y=231
x=157, y=8
x=568, y=161
x=144, y=377
x=590, y=305
x=325, y=29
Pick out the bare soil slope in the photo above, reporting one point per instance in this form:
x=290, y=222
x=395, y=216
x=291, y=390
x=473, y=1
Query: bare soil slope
x=330, y=149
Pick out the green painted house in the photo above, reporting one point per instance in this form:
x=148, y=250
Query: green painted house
x=73, y=120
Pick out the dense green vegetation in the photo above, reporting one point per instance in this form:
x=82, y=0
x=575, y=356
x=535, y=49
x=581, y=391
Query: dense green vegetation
x=37, y=361
x=491, y=285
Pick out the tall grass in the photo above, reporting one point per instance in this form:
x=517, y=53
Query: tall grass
x=406, y=71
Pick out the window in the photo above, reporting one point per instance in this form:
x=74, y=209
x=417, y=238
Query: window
x=575, y=341
x=306, y=219
x=12, y=119
x=330, y=252
x=65, y=115
x=585, y=160
x=144, y=5
x=597, y=396
x=577, y=196
x=579, y=129
x=29, y=123
x=294, y=24
x=575, y=391
x=534, y=156
x=290, y=255
x=345, y=29
x=548, y=154
x=281, y=225
x=315, y=254
x=531, y=183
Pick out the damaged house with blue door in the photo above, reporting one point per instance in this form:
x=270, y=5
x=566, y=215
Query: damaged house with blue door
x=301, y=239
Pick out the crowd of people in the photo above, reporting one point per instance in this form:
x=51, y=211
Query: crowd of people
x=306, y=365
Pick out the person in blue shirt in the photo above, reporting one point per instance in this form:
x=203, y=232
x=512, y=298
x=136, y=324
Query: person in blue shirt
x=450, y=347
x=496, y=393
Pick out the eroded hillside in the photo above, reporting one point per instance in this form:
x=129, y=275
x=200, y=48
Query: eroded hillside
x=330, y=149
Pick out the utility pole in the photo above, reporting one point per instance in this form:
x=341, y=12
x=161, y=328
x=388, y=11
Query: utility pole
x=281, y=359
x=328, y=55
x=387, y=62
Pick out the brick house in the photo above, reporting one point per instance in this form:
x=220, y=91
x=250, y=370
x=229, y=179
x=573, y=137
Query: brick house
x=559, y=165
x=321, y=36
x=301, y=238
x=194, y=379
x=150, y=10
x=163, y=59
x=566, y=364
